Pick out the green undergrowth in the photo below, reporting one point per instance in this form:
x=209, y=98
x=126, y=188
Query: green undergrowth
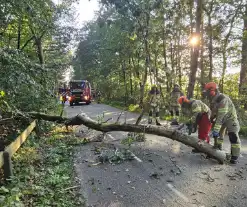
x=243, y=132
x=115, y=104
x=43, y=172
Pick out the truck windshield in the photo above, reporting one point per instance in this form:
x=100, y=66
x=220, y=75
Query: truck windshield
x=77, y=85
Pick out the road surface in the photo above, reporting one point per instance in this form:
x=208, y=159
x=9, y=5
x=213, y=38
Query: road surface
x=164, y=173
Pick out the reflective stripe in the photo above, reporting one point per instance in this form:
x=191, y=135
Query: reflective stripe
x=217, y=127
x=235, y=145
x=197, y=109
x=219, y=141
x=222, y=109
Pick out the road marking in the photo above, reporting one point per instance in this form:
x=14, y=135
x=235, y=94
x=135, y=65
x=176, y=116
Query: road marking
x=109, y=135
x=181, y=195
x=135, y=157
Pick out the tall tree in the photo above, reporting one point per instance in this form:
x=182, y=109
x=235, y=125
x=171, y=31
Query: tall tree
x=195, y=54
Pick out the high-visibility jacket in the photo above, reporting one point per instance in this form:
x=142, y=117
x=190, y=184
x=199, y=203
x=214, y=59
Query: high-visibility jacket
x=154, y=96
x=175, y=94
x=225, y=111
x=195, y=108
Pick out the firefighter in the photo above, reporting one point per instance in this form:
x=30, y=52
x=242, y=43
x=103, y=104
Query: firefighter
x=154, y=100
x=174, y=106
x=226, y=119
x=98, y=96
x=199, y=115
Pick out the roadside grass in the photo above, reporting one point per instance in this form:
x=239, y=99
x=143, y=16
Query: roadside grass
x=43, y=172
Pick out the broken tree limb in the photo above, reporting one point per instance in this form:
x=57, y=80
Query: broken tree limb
x=42, y=116
x=82, y=119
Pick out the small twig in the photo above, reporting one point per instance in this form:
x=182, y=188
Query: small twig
x=73, y=187
x=106, y=121
x=119, y=117
x=3, y=120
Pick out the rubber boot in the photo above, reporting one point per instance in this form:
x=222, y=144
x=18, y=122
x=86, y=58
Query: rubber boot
x=216, y=145
x=158, y=121
x=234, y=160
x=174, y=122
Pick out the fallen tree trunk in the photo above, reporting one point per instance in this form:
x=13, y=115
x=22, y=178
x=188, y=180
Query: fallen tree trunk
x=82, y=119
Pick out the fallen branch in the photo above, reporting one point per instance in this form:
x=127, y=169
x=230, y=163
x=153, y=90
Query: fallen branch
x=119, y=117
x=82, y=119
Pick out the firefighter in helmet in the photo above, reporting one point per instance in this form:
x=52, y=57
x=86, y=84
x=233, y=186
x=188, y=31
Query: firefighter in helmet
x=226, y=117
x=174, y=106
x=199, y=115
x=154, y=100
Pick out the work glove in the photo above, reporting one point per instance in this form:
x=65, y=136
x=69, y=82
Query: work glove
x=193, y=128
x=215, y=134
x=189, y=128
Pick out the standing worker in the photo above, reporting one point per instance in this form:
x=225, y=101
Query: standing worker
x=154, y=100
x=199, y=115
x=174, y=106
x=226, y=117
x=98, y=96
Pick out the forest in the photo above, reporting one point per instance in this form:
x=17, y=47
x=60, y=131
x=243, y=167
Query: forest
x=133, y=44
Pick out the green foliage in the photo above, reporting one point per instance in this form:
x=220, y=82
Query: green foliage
x=133, y=137
x=34, y=52
x=134, y=108
x=43, y=170
x=243, y=131
x=25, y=83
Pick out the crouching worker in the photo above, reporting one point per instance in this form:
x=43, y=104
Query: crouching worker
x=199, y=115
x=154, y=100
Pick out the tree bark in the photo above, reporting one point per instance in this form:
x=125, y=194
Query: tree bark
x=131, y=79
x=19, y=34
x=224, y=68
x=147, y=59
x=201, y=65
x=125, y=83
x=40, y=53
x=210, y=47
x=195, y=55
x=82, y=119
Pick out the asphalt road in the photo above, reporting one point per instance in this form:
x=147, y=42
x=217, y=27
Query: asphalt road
x=183, y=178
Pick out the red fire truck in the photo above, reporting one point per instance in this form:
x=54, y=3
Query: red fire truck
x=80, y=91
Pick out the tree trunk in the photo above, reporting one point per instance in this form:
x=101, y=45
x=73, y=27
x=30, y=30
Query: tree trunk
x=19, y=35
x=172, y=63
x=168, y=86
x=125, y=84
x=243, y=71
x=147, y=60
x=131, y=83
x=195, y=55
x=179, y=72
x=40, y=53
x=174, y=134
x=224, y=68
x=201, y=65
x=210, y=47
